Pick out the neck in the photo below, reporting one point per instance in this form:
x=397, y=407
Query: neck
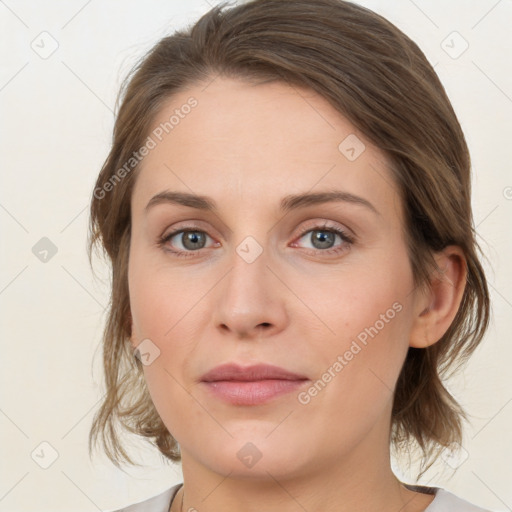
x=360, y=481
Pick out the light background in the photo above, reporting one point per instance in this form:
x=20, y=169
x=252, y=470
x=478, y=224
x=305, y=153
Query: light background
x=56, y=129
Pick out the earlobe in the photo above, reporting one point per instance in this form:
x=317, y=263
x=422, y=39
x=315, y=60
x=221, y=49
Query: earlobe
x=438, y=304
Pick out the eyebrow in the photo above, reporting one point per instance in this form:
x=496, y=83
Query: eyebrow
x=288, y=203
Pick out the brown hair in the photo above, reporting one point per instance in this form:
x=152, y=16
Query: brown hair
x=376, y=77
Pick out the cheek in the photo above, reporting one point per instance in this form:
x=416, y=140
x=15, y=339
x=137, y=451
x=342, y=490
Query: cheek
x=360, y=303
x=356, y=371
x=160, y=297
x=165, y=306
x=369, y=317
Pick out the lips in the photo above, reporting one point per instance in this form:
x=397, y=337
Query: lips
x=251, y=385
x=232, y=371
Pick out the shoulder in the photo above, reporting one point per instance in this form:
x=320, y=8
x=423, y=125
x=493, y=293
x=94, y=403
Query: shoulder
x=445, y=501
x=159, y=503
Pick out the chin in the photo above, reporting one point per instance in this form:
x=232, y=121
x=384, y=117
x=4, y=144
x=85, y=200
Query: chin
x=253, y=455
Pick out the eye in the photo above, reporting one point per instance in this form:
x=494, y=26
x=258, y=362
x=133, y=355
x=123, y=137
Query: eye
x=190, y=239
x=323, y=239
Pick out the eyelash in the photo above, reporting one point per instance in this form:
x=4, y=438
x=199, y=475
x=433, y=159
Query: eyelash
x=348, y=239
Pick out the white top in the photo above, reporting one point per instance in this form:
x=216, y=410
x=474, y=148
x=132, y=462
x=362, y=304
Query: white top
x=444, y=501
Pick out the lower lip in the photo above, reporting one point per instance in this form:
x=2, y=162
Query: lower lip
x=252, y=392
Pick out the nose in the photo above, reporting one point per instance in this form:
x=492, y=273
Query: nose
x=250, y=299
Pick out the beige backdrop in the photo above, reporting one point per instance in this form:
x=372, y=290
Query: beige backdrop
x=61, y=66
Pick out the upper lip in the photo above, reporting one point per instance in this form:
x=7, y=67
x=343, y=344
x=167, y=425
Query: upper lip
x=232, y=371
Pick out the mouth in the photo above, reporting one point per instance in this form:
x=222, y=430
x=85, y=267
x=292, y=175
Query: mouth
x=252, y=385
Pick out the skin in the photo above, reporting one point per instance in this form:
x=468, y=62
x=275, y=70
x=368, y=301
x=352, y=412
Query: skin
x=247, y=146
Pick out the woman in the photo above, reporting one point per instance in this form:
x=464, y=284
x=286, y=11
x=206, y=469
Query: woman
x=286, y=207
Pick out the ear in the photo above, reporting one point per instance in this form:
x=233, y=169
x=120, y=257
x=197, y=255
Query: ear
x=437, y=305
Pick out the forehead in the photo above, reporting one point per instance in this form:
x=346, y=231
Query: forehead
x=249, y=143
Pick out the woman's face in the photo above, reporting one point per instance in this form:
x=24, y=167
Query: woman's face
x=322, y=289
